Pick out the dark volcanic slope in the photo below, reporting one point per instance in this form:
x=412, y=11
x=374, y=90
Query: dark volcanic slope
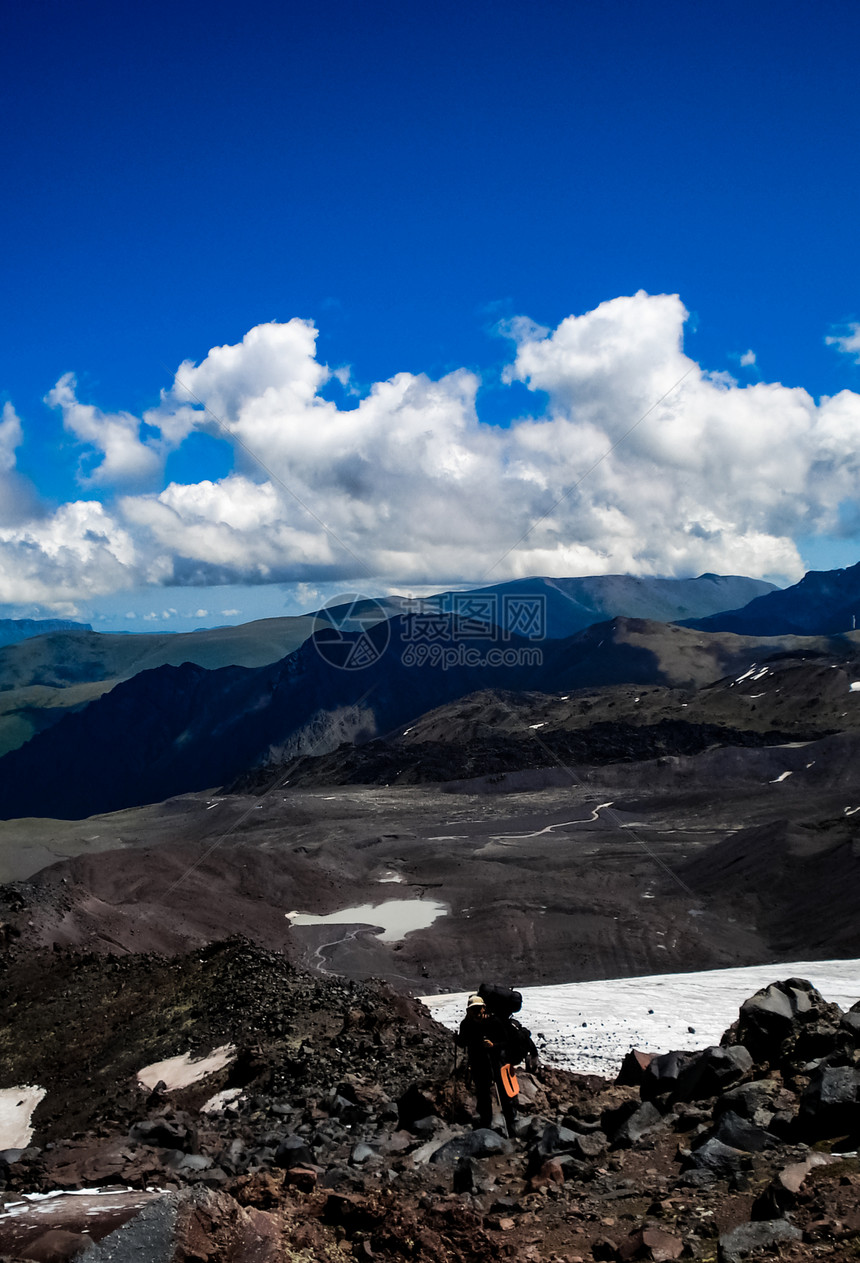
x=64, y=665
x=823, y=602
x=349, y=1132
x=149, y=1007
x=178, y=729
x=784, y=698
x=798, y=882
x=395, y=763
x=181, y=728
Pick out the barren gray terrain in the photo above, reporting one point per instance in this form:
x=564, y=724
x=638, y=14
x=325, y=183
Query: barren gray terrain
x=548, y=876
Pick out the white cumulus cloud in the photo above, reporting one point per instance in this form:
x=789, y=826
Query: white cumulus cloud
x=79, y=551
x=638, y=460
x=849, y=342
x=116, y=453
x=11, y=435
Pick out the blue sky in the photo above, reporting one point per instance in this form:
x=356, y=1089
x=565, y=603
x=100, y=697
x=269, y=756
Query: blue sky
x=409, y=178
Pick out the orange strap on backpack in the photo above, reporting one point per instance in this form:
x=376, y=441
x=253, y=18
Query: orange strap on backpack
x=509, y=1081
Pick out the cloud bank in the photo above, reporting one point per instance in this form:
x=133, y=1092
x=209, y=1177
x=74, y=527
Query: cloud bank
x=641, y=461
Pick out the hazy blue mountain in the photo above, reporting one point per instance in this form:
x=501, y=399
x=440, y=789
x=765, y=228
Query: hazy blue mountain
x=822, y=603
x=13, y=630
x=573, y=604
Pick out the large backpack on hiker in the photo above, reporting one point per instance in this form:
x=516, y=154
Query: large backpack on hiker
x=501, y=1001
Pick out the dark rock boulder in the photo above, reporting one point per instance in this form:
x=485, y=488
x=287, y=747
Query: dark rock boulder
x=429, y=1126
x=585, y=1126
x=555, y=1140
x=646, y=1119
x=413, y=1105
x=481, y=1143
x=293, y=1152
x=633, y=1067
x=771, y=1022
x=740, y=1133
x=661, y=1075
x=757, y=1101
x=717, y=1157
x=711, y=1072
x=741, y=1242
x=650, y=1243
x=173, y=1130
x=850, y=1023
x=830, y=1106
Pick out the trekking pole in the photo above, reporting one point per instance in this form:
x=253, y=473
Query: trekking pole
x=496, y=1073
x=502, y=1109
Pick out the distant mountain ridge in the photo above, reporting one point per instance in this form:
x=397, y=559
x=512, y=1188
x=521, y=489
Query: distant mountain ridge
x=823, y=603
x=42, y=679
x=14, y=630
x=574, y=604
x=177, y=729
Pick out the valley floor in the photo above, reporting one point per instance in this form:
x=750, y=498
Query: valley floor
x=729, y=858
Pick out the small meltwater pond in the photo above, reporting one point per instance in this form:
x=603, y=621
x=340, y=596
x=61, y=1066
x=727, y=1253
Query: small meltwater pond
x=393, y=919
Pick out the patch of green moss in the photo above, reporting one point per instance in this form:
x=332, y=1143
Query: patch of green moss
x=834, y=1170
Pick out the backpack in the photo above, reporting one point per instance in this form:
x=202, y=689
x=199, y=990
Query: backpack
x=501, y=1001
x=518, y=1041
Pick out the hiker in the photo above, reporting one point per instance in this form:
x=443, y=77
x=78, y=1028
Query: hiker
x=494, y=1043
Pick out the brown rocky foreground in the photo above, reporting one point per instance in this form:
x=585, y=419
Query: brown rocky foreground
x=346, y=1134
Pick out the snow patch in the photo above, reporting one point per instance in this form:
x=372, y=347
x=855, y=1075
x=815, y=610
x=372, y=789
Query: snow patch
x=219, y=1102
x=16, y=1110
x=396, y=917
x=854, y=686
x=181, y=1072
x=52, y=1209
x=783, y=776
x=651, y=1013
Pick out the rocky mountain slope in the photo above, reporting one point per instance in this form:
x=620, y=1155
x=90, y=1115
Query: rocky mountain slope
x=172, y=730
x=44, y=678
x=342, y=1130
x=800, y=696
x=69, y=664
x=822, y=603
